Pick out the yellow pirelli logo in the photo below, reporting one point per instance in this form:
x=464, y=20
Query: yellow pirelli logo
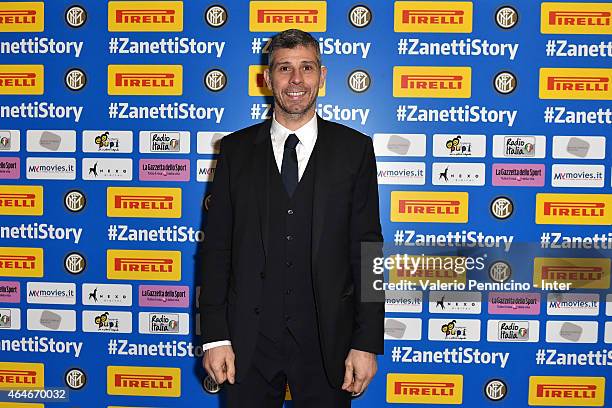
x=145, y=79
x=567, y=391
x=575, y=83
x=582, y=273
x=143, y=202
x=424, y=388
x=418, y=269
x=145, y=16
x=21, y=262
x=432, y=17
x=146, y=381
x=143, y=265
x=432, y=82
x=257, y=83
x=21, y=375
x=574, y=209
x=21, y=200
x=429, y=206
x=22, y=17
x=22, y=79
x=576, y=18
x=273, y=16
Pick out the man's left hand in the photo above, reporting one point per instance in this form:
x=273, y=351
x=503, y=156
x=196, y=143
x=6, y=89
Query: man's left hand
x=360, y=367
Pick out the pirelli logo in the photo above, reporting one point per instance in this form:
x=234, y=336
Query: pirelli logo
x=432, y=82
x=576, y=18
x=433, y=17
x=257, y=83
x=21, y=200
x=146, y=381
x=143, y=202
x=21, y=375
x=582, y=273
x=567, y=391
x=424, y=388
x=429, y=206
x=145, y=16
x=21, y=262
x=143, y=265
x=575, y=83
x=145, y=79
x=578, y=209
x=22, y=79
x=432, y=268
x=272, y=16
x=22, y=17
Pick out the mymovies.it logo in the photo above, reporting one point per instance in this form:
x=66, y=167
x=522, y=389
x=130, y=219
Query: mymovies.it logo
x=572, y=304
x=51, y=293
x=163, y=323
x=206, y=170
x=51, y=168
x=577, y=175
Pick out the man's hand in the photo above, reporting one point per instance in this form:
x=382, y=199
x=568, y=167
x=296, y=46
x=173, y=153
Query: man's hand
x=360, y=367
x=219, y=364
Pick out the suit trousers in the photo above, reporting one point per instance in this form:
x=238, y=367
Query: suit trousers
x=276, y=364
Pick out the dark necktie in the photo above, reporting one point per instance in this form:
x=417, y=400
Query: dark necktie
x=289, y=167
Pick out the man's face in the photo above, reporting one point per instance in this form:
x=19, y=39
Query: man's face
x=295, y=79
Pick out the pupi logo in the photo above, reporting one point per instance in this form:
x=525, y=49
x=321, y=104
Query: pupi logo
x=215, y=16
x=74, y=200
x=75, y=378
x=359, y=81
x=452, y=331
x=215, y=80
x=506, y=17
x=106, y=143
x=75, y=16
x=495, y=390
x=75, y=79
x=500, y=271
x=505, y=82
x=360, y=16
x=502, y=208
x=106, y=323
x=74, y=263
x=458, y=148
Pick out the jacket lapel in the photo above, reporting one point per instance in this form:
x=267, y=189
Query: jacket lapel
x=323, y=163
x=261, y=180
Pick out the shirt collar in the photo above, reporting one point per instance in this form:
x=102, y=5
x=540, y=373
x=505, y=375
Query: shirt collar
x=307, y=133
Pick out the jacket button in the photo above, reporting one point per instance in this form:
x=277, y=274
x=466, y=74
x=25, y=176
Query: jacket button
x=289, y=237
x=290, y=212
x=256, y=310
x=288, y=292
x=289, y=264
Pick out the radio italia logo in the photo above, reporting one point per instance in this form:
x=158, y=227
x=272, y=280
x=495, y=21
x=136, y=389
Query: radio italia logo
x=145, y=79
x=257, y=83
x=21, y=262
x=272, y=16
x=586, y=273
x=21, y=375
x=145, y=16
x=576, y=18
x=577, y=209
x=424, y=388
x=433, y=17
x=21, y=79
x=143, y=265
x=21, y=200
x=22, y=17
x=432, y=82
x=128, y=380
x=429, y=206
x=575, y=83
x=143, y=202
x=567, y=391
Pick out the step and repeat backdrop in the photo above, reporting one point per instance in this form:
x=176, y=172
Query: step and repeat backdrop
x=490, y=122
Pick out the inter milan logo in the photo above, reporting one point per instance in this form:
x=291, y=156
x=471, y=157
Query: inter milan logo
x=495, y=390
x=215, y=16
x=75, y=16
x=215, y=80
x=75, y=378
x=500, y=271
x=74, y=200
x=74, y=263
x=506, y=17
x=75, y=79
x=502, y=208
x=359, y=81
x=505, y=82
x=360, y=16
x=210, y=385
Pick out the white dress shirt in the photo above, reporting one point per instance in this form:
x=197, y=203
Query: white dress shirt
x=307, y=135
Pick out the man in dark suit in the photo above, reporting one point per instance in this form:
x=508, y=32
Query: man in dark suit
x=293, y=199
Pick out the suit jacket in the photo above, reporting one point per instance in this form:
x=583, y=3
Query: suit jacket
x=345, y=213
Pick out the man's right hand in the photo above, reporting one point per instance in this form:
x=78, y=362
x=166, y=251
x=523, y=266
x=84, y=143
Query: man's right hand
x=219, y=364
